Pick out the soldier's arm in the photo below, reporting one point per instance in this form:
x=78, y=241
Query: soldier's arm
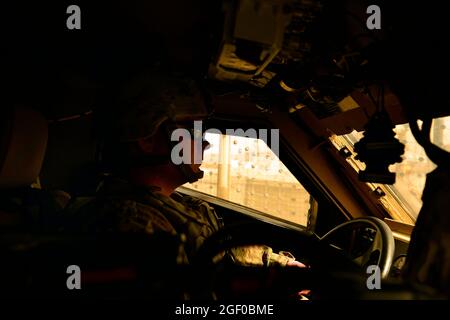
x=256, y=255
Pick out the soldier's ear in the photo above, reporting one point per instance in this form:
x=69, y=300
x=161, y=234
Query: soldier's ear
x=146, y=145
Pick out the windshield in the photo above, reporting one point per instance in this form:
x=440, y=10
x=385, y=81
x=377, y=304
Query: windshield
x=403, y=199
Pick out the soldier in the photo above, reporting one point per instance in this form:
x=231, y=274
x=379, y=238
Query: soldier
x=138, y=193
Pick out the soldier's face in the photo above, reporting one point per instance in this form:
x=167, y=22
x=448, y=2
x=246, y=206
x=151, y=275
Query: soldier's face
x=191, y=143
x=190, y=146
x=204, y=145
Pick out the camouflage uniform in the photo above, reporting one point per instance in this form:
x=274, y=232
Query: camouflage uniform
x=121, y=207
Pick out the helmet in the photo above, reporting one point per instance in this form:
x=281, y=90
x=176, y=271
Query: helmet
x=142, y=106
x=150, y=100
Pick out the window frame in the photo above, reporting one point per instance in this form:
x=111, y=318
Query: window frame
x=400, y=211
x=247, y=211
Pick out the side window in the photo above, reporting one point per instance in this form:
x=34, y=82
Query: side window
x=246, y=171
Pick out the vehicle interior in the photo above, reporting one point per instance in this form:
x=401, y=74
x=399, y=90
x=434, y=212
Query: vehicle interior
x=348, y=167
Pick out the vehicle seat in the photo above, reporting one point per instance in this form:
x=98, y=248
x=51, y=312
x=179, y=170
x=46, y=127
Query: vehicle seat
x=35, y=252
x=23, y=141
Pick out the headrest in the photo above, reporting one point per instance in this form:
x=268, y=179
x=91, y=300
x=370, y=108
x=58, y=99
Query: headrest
x=23, y=140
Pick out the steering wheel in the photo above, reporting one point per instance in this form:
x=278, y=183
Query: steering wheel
x=381, y=244
x=304, y=245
